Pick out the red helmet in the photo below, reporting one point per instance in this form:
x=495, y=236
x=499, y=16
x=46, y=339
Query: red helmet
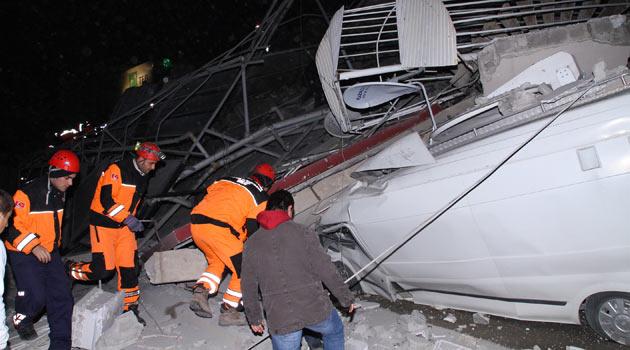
x=65, y=160
x=150, y=151
x=266, y=170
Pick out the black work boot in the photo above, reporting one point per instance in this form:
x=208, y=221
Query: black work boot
x=199, y=303
x=134, y=309
x=231, y=316
x=26, y=331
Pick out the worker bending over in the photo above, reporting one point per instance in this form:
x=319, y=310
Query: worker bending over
x=221, y=222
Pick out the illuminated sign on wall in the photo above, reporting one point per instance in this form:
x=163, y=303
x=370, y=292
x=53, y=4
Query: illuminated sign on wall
x=136, y=76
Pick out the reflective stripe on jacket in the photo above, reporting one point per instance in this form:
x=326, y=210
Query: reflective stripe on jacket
x=232, y=202
x=34, y=222
x=117, y=194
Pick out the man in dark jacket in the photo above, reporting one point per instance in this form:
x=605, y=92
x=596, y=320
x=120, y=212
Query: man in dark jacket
x=285, y=260
x=33, y=248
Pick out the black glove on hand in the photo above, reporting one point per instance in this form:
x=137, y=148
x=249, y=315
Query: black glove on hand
x=133, y=223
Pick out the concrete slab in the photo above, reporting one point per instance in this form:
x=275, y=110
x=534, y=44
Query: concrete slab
x=125, y=331
x=175, y=266
x=92, y=315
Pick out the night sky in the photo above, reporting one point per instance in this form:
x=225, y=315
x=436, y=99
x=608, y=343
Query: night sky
x=62, y=61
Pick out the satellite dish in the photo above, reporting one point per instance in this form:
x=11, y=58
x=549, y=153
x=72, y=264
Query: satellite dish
x=366, y=95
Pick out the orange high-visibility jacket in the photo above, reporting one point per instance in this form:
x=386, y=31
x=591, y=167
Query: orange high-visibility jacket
x=231, y=202
x=117, y=194
x=38, y=216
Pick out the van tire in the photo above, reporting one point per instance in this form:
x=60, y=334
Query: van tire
x=608, y=314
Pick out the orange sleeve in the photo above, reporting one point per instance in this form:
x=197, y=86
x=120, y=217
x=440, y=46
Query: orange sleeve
x=22, y=235
x=111, y=181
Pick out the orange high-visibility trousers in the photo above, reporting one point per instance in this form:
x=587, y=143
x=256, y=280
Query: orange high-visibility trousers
x=112, y=249
x=222, y=249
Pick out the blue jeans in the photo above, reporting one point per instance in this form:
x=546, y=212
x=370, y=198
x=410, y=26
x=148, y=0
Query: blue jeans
x=331, y=329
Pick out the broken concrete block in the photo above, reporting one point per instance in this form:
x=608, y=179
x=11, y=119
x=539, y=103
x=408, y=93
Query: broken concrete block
x=450, y=318
x=305, y=199
x=481, y=318
x=125, y=331
x=571, y=347
x=92, y=315
x=175, y=266
x=368, y=305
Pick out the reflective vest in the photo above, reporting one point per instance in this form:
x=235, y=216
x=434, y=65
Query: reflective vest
x=117, y=194
x=38, y=215
x=231, y=202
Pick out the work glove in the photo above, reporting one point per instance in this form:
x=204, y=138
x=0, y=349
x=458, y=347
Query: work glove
x=133, y=223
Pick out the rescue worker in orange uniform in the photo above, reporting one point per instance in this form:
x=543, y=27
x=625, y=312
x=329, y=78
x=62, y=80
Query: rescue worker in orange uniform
x=33, y=249
x=113, y=223
x=221, y=222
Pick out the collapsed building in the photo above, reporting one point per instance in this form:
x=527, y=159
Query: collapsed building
x=364, y=130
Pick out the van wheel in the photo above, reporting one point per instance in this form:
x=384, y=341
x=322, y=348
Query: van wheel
x=609, y=315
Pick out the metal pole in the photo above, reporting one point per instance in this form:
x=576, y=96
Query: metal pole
x=245, y=107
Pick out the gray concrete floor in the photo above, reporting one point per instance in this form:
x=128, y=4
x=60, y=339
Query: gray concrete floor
x=502, y=331
x=509, y=332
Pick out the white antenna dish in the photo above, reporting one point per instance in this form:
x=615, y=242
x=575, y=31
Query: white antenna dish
x=367, y=95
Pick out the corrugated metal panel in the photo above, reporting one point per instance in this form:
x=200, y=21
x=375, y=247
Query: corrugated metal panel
x=326, y=59
x=426, y=34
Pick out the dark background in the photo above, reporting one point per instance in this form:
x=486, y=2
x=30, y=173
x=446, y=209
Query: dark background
x=62, y=61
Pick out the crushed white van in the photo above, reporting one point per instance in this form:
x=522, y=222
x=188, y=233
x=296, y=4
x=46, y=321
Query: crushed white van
x=531, y=183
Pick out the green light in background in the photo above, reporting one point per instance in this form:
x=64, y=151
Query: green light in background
x=167, y=63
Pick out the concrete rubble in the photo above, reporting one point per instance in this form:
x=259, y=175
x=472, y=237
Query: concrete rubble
x=124, y=332
x=586, y=42
x=175, y=266
x=171, y=325
x=450, y=318
x=479, y=318
x=92, y=315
